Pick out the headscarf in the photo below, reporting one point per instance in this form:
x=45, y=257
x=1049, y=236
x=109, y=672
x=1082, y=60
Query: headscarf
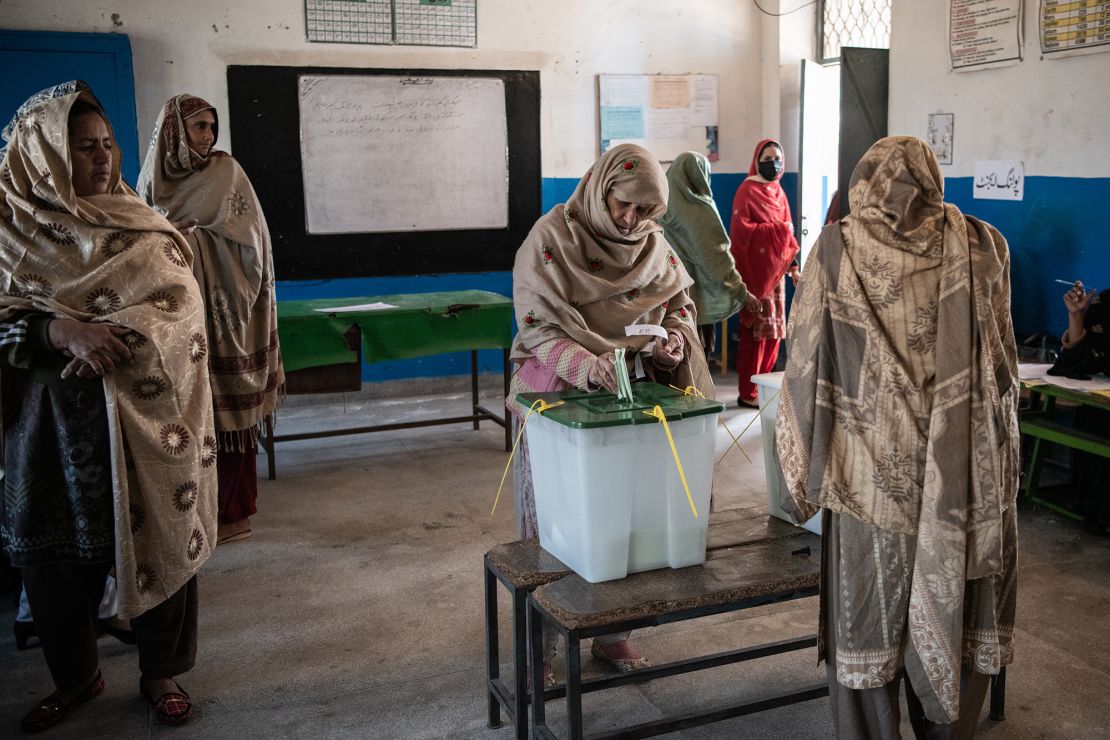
x=899, y=402
x=577, y=276
x=234, y=266
x=763, y=245
x=110, y=258
x=693, y=228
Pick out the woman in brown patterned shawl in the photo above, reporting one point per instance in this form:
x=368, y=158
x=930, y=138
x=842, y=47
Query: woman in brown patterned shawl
x=206, y=193
x=899, y=417
x=589, y=268
x=109, y=443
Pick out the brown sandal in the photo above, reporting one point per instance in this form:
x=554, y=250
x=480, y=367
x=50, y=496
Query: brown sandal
x=171, y=708
x=50, y=711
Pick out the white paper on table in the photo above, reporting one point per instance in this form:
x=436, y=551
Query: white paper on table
x=377, y=306
x=1034, y=372
x=645, y=330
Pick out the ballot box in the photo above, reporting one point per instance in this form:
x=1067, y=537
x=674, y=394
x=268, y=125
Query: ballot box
x=610, y=498
x=769, y=386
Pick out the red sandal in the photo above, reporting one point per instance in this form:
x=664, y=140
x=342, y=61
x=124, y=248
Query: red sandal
x=171, y=708
x=50, y=711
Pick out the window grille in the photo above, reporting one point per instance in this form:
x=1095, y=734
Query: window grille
x=863, y=23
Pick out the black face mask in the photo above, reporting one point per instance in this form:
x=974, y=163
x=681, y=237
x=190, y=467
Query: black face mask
x=770, y=169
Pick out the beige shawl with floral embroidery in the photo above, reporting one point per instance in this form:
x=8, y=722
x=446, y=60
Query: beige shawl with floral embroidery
x=234, y=266
x=899, y=402
x=577, y=276
x=110, y=258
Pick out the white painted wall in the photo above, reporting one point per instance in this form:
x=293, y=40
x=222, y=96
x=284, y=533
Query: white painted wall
x=1052, y=114
x=185, y=46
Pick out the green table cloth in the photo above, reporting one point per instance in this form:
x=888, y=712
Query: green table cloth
x=421, y=324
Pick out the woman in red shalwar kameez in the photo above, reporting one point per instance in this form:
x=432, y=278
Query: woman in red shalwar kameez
x=763, y=245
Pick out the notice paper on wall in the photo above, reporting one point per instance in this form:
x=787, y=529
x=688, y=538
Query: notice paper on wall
x=999, y=180
x=667, y=114
x=1068, y=28
x=984, y=33
x=940, y=135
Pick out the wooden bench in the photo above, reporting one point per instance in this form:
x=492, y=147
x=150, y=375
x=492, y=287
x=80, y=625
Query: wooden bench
x=523, y=566
x=731, y=579
x=1039, y=422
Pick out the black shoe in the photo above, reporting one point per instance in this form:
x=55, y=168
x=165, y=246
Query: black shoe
x=24, y=631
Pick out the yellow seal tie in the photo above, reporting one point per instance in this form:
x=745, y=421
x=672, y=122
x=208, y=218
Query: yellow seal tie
x=657, y=412
x=539, y=405
x=688, y=391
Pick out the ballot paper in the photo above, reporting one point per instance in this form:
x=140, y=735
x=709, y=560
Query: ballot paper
x=378, y=306
x=641, y=330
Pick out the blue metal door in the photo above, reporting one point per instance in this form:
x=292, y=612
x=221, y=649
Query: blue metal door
x=33, y=60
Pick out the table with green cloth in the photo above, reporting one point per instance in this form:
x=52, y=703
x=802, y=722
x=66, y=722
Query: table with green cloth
x=322, y=350
x=1041, y=422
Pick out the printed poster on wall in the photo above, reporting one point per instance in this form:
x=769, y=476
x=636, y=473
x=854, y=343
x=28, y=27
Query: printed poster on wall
x=1072, y=28
x=940, y=135
x=999, y=180
x=667, y=114
x=984, y=33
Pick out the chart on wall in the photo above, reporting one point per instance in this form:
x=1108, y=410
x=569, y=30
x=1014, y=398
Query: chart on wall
x=667, y=114
x=415, y=22
x=388, y=153
x=1072, y=28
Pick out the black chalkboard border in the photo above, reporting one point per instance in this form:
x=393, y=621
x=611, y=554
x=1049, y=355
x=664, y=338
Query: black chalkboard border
x=265, y=137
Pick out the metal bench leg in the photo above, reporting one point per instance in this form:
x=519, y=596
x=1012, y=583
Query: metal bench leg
x=574, y=687
x=493, y=666
x=535, y=655
x=268, y=445
x=998, y=696
x=520, y=661
x=474, y=385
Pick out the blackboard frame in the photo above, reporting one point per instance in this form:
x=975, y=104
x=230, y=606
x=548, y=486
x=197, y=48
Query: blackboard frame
x=265, y=138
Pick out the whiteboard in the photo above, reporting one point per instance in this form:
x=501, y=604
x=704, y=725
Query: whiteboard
x=382, y=153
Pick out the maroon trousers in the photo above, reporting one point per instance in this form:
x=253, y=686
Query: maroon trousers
x=238, y=482
x=754, y=357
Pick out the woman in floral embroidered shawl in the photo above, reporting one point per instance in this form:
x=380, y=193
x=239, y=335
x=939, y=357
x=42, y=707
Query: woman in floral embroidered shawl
x=589, y=268
x=206, y=193
x=109, y=443
x=764, y=248
x=898, y=416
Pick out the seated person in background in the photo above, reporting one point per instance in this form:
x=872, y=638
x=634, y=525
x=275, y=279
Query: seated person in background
x=1086, y=352
x=589, y=268
x=207, y=195
x=898, y=416
x=693, y=228
x=1087, y=340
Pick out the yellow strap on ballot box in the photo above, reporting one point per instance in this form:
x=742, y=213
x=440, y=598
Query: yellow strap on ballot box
x=657, y=412
x=538, y=406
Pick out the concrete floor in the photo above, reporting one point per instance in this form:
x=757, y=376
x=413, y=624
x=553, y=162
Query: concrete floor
x=356, y=609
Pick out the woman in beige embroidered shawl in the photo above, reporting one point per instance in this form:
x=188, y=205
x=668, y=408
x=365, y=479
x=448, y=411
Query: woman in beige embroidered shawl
x=899, y=417
x=206, y=193
x=589, y=268
x=109, y=443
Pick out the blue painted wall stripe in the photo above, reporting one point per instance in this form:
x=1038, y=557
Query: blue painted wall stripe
x=1053, y=233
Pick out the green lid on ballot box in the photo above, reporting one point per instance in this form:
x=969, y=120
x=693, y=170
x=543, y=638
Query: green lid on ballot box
x=582, y=410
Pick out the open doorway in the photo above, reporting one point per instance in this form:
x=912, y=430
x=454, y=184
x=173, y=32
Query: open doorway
x=843, y=112
x=819, y=149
